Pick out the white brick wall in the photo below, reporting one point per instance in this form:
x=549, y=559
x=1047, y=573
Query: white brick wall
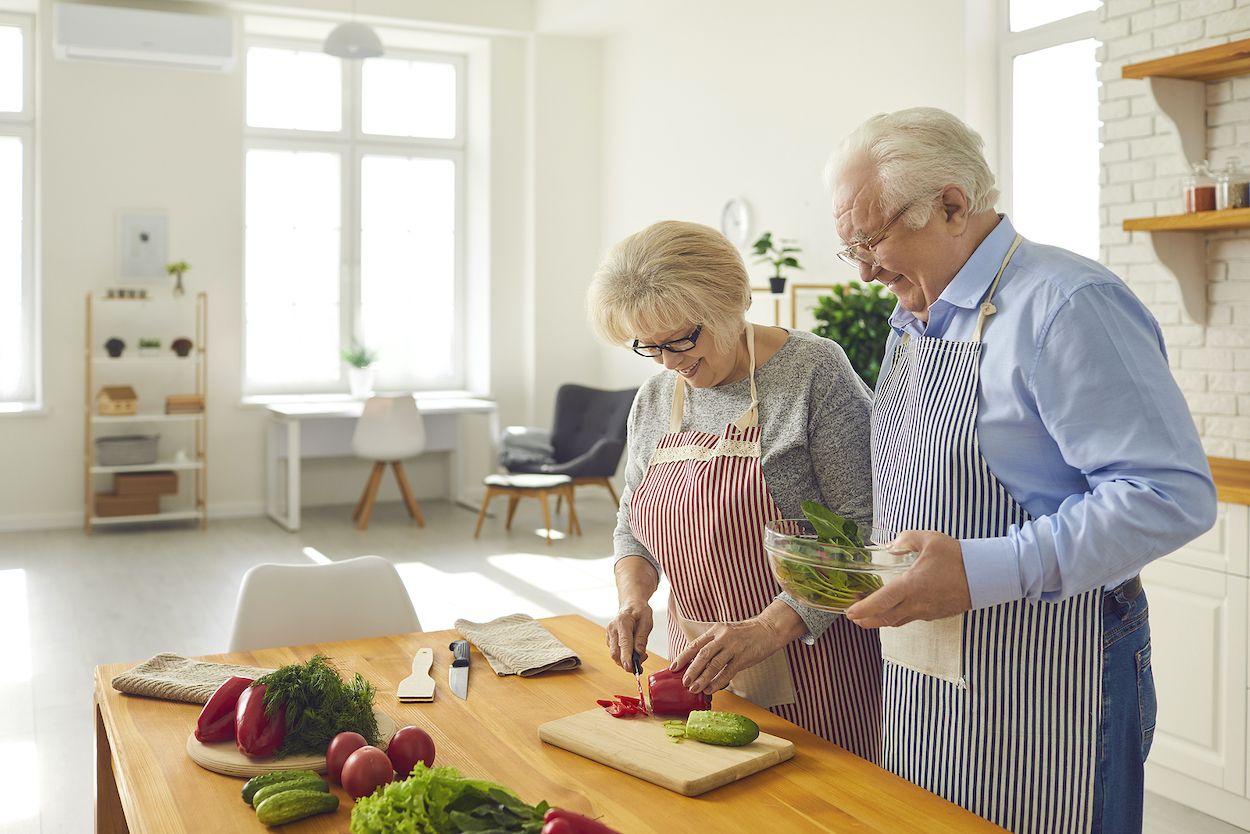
x=1141, y=170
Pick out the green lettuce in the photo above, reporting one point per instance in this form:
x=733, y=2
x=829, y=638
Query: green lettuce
x=438, y=800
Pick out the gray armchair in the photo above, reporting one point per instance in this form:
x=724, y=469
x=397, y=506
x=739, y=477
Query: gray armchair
x=586, y=440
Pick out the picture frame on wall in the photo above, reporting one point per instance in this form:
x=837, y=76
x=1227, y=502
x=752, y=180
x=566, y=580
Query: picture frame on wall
x=803, y=298
x=142, y=244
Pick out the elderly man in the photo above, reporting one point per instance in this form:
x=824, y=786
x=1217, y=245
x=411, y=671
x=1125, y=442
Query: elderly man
x=1030, y=443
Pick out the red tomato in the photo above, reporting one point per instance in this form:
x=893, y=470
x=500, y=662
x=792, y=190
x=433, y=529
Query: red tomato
x=409, y=746
x=365, y=771
x=341, y=746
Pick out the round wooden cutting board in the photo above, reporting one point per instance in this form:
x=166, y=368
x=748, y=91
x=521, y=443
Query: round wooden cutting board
x=224, y=756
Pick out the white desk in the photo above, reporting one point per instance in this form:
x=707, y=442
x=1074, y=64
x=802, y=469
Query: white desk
x=312, y=430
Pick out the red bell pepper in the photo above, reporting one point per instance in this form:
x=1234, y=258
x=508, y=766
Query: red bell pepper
x=217, y=719
x=560, y=821
x=256, y=733
x=669, y=696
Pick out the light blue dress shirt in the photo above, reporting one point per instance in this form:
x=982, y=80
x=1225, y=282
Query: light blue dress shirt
x=1078, y=417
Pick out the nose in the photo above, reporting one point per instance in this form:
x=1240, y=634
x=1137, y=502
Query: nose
x=868, y=272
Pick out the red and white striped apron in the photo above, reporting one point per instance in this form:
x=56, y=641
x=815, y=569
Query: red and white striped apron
x=700, y=511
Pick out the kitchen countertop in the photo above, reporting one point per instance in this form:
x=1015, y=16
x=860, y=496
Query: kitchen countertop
x=146, y=782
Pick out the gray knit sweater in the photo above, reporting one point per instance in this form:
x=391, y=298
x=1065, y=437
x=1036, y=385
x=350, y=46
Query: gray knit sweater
x=814, y=414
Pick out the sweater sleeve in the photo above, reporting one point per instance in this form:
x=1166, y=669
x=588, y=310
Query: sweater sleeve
x=624, y=544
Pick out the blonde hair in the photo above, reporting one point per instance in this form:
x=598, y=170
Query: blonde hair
x=670, y=275
x=916, y=153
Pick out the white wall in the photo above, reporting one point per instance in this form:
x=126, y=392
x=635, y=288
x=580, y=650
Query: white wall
x=707, y=99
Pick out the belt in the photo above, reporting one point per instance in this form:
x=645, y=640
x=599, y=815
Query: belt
x=1126, y=591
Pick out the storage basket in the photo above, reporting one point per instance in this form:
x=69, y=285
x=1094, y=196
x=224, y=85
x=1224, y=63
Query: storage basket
x=126, y=449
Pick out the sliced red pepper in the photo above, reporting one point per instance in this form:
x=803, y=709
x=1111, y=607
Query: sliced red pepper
x=622, y=707
x=217, y=719
x=256, y=733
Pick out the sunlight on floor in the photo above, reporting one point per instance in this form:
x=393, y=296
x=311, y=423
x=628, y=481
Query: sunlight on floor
x=19, y=781
x=14, y=629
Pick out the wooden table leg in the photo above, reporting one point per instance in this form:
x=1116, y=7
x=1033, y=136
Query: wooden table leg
x=109, y=816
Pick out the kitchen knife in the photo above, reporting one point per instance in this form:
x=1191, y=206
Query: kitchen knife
x=638, y=680
x=458, y=674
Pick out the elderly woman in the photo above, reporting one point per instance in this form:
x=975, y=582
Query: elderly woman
x=742, y=425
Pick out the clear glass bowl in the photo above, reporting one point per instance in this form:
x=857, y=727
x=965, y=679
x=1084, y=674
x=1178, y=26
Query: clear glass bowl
x=828, y=576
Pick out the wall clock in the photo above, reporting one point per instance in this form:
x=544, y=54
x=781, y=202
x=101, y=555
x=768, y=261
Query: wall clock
x=735, y=221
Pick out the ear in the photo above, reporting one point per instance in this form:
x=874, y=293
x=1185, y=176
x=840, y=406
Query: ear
x=955, y=209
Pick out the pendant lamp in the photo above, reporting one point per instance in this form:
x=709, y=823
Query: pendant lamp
x=353, y=40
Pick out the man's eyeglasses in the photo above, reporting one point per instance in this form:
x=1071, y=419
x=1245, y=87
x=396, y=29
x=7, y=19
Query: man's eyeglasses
x=675, y=346
x=861, y=251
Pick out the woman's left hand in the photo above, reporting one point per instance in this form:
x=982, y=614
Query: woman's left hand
x=724, y=650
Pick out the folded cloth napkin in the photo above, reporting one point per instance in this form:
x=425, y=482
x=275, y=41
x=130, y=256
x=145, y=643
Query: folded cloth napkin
x=177, y=678
x=518, y=645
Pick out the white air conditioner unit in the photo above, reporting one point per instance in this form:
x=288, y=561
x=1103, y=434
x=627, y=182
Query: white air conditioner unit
x=172, y=39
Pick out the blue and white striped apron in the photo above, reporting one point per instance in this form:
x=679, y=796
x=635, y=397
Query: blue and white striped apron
x=1009, y=728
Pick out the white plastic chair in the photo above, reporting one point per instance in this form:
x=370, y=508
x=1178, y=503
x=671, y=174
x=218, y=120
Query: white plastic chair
x=290, y=605
x=389, y=430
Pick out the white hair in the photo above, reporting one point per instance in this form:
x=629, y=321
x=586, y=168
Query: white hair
x=916, y=153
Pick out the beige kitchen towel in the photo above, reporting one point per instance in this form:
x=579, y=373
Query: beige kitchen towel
x=518, y=645
x=173, y=677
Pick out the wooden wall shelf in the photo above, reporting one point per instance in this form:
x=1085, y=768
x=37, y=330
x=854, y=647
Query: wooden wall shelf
x=1211, y=64
x=1203, y=221
x=1232, y=479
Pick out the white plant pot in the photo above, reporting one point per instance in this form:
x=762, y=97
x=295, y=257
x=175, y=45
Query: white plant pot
x=361, y=382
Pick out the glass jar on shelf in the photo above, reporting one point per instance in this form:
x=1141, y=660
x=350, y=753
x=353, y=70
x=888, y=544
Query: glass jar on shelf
x=1199, y=189
x=1232, y=186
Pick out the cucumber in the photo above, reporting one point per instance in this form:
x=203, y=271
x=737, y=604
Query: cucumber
x=257, y=782
x=289, y=806
x=727, y=729
x=303, y=783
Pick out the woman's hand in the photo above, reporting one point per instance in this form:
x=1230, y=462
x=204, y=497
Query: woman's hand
x=628, y=633
x=725, y=649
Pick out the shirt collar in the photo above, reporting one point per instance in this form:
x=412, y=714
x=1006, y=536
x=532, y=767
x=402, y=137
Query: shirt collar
x=972, y=280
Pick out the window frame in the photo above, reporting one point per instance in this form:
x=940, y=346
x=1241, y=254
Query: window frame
x=352, y=145
x=21, y=125
x=1078, y=27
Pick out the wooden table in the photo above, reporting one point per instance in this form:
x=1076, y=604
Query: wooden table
x=146, y=783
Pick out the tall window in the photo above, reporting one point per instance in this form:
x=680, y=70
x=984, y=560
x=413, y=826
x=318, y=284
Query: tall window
x=1050, y=176
x=354, y=218
x=18, y=332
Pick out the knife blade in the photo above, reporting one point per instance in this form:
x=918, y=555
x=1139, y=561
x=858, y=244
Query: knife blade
x=458, y=674
x=638, y=680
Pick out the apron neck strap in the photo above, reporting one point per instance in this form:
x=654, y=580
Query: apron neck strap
x=987, y=307
x=749, y=417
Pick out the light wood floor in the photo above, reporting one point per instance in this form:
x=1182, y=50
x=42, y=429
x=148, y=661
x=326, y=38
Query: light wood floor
x=69, y=602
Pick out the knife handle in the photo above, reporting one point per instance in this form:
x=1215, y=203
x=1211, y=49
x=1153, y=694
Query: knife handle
x=637, y=664
x=460, y=648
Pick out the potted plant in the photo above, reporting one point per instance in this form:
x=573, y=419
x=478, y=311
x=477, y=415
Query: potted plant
x=176, y=269
x=181, y=346
x=857, y=317
x=115, y=346
x=149, y=347
x=780, y=253
x=360, y=371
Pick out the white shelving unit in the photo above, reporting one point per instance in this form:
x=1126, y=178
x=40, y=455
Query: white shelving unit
x=158, y=375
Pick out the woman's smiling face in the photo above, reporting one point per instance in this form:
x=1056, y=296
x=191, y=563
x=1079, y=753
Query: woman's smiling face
x=704, y=366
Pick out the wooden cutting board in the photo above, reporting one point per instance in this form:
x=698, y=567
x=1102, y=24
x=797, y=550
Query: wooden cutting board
x=638, y=746
x=224, y=756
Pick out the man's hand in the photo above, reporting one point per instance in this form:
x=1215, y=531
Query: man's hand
x=628, y=633
x=724, y=650
x=933, y=588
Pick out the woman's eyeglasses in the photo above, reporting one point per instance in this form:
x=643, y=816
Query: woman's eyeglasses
x=675, y=346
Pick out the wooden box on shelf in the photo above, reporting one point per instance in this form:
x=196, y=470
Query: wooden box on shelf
x=142, y=484
x=184, y=404
x=117, y=400
x=109, y=505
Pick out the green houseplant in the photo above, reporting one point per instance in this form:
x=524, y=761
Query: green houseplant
x=176, y=269
x=360, y=361
x=857, y=317
x=781, y=254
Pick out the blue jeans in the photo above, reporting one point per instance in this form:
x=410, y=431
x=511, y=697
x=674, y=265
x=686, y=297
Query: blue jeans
x=1128, y=712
